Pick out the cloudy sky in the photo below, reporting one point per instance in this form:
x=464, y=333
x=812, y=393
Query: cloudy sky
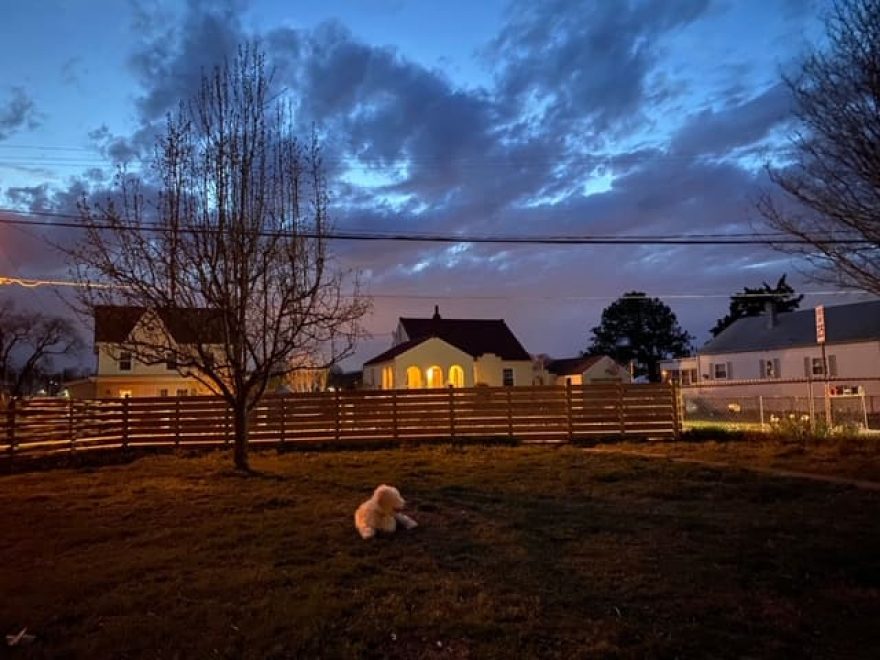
x=455, y=117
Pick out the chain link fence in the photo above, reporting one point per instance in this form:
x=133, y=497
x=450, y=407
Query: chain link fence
x=759, y=406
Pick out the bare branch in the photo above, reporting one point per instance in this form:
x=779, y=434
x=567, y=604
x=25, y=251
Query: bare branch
x=832, y=189
x=242, y=217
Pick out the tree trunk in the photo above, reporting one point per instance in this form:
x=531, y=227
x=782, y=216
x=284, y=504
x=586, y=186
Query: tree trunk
x=240, y=426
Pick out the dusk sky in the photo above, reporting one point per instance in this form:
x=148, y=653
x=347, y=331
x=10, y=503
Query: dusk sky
x=455, y=117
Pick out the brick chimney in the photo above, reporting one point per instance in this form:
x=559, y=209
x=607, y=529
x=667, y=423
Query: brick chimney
x=436, y=316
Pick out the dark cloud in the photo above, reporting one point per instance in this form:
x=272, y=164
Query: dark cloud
x=18, y=112
x=739, y=124
x=174, y=47
x=583, y=62
x=72, y=71
x=173, y=51
x=552, y=146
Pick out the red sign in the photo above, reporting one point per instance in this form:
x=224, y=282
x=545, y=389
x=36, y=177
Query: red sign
x=820, y=324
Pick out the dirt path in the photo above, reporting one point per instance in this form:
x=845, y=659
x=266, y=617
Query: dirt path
x=862, y=484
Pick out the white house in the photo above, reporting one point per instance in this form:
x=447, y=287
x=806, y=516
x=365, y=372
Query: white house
x=120, y=374
x=777, y=347
x=585, y=370
x=439, y=352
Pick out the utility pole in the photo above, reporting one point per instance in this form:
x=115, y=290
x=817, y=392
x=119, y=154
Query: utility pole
x=820, y=339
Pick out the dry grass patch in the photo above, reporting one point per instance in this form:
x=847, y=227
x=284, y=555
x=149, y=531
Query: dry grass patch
x=854, y=457
x=521, y=552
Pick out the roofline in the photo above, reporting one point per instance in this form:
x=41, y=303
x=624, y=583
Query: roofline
x=789, y=346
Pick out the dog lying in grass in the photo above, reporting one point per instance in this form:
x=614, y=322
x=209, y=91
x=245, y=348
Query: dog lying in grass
x=381, y=513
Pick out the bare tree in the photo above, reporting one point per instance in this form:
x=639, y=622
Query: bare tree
x=232, y=247
x=831, y=192
x=28, y=341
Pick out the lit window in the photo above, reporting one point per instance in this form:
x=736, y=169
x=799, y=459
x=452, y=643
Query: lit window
x=182, y=392
x=435, y=376
x=456, y=376
x=413, y=378
x=125, y=361
x=163, y=392
x=387, y=378
x=507, y=378
x=720, y=371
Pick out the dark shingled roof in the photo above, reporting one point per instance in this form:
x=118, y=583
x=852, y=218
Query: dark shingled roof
x=572, y=366
x=114, y=323
x=473, y=336
x=394, y=351
x=843, y=323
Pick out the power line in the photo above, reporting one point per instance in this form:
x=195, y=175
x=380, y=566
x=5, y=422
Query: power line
x=29, y=283
x=37, y=282
x=645, y=240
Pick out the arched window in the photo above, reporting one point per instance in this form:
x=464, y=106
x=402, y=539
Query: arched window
x=434, y=376
x=456, y=376
x=414, y=378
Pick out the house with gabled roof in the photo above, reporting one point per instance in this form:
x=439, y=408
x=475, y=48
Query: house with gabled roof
x=119, y=373
x=584, y=370
x=441, y=352
x=781, y=347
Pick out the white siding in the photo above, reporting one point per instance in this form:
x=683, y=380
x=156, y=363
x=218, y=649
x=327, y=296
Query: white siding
x=856, y=360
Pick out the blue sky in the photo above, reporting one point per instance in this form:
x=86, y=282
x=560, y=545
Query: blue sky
x=611, y=116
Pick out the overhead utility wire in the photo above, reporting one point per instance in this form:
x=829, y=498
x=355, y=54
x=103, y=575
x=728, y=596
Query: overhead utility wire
x=676, y=239
x=37, y=282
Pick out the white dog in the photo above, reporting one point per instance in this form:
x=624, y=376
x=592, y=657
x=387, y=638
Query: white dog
x=381, y=513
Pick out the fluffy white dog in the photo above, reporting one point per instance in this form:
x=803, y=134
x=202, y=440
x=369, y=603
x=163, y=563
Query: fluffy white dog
x=381, y=513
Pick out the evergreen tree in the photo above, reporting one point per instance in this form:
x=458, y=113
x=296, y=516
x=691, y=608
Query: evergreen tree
x=753, y=302
x=635, y=327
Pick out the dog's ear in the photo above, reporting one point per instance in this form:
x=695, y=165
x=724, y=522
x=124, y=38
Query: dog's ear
x=388, y=498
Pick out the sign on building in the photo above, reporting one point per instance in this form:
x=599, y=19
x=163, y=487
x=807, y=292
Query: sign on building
x=820, y=324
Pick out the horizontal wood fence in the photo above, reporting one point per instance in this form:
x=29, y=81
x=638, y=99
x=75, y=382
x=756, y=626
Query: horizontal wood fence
x=38, y=426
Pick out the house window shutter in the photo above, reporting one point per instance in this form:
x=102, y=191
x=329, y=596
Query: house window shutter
x=777, y=371
x=832, y=365
x=730, y=371
x=807, y=368
x=762, y=368
x=711, y=370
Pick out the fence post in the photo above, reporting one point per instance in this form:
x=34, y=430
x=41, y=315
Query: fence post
x=283, y=407
x=338, y=400
x=452, y=412
x=125, y=422
x=676, y=411
x=568, y=410
x=71, y=425
x=10, y=426
x=177, y=422
x=761, y=410
x=509, y=413
x=812, y=404
x=394, y=430
x=621, y=418
x=225, y=423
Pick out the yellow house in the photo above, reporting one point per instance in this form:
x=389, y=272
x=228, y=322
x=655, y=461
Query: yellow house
x=438, y=352
x=119, y=373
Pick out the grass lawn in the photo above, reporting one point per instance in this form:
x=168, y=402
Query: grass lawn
x=856, y=457
x=522, y=552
